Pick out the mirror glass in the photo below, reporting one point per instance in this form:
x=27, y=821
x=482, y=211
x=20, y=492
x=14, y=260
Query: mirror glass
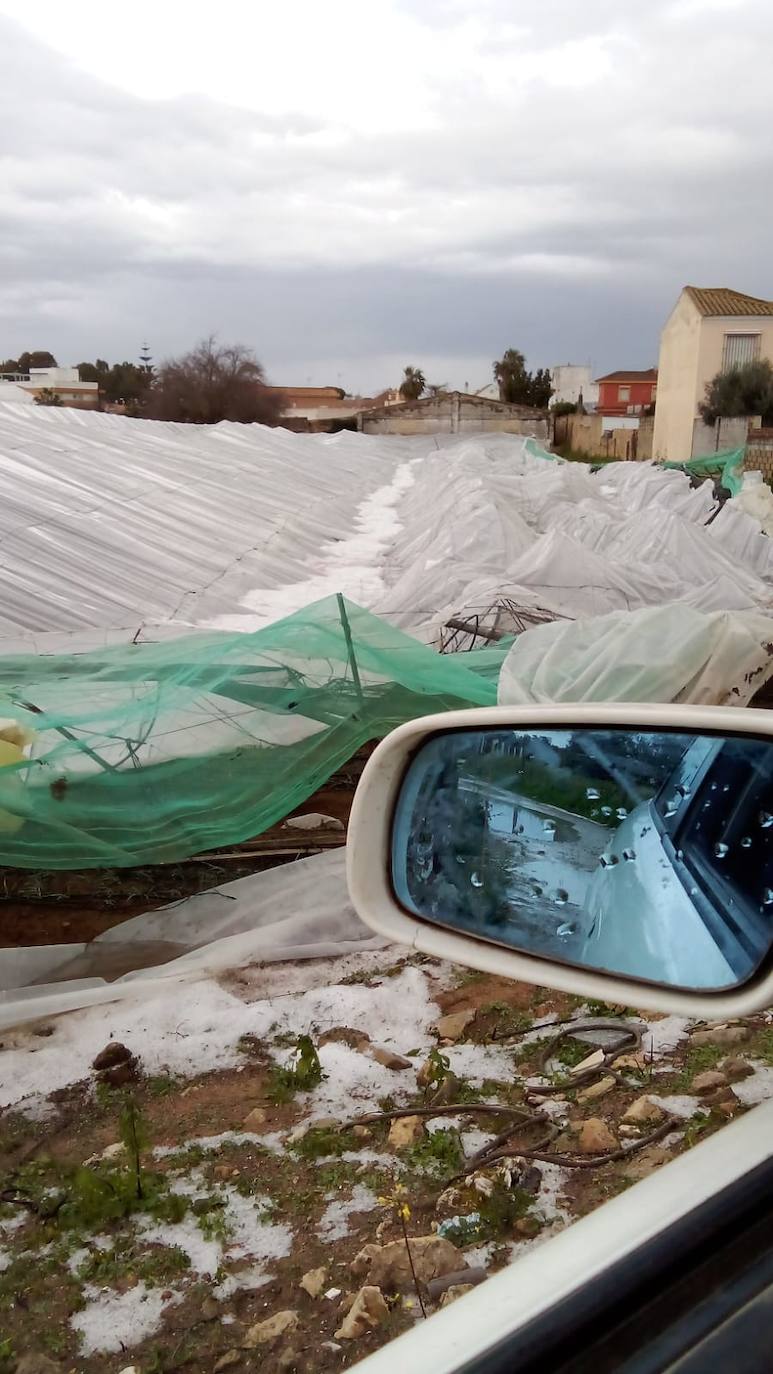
x=644, y=853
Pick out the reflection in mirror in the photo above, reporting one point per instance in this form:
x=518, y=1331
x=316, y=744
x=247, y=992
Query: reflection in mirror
x=642, y=853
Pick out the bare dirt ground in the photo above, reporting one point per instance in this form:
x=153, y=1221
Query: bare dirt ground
x=247, y=1188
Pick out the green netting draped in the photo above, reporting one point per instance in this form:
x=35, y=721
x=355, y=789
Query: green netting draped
x=725, y=467
x=152, y=752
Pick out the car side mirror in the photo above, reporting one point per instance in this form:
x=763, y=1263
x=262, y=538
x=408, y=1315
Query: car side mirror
x=619, y=852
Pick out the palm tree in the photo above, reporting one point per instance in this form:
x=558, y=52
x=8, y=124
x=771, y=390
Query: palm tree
x=413, y=384
x=510, y=373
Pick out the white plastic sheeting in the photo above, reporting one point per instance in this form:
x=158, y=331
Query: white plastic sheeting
x=107, y=524
x=663, y=654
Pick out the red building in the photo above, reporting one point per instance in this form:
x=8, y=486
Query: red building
x=627, y=393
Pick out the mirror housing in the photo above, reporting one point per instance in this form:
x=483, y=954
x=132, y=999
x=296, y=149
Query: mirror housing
x=371, y=837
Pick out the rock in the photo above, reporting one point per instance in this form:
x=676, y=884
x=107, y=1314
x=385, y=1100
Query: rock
x=595, y=1137
x=528, y=1227
x=735, y=1069
x=457, y=1290
x=222, y=1171
x=362, y=1132
x=636, y=1062
x=643, y=1112
x=210, y=1309
x=389, y=1059
x=363, y=1260
x=531, y=1180
x=120, y=1075
x=723, y=1094
x=446, y=1091
x=596, y=1089
x=345, y=1035
x=707, y=1082
x=314, y=1282
x=269, y=1331
x=228, y=1361
x=721, y=1035
x=389, y=1268
x=131, y=1369
x=36, y=1364
x=254, y=1119
x=347, y=1303
x=113, y=1053
x=450, y=1200
x=367, y=1311
x=728, y=1106
x=591, y=1061
x=452, y=1027
x=288, y=1361
x=405, y=1131
x=644, y=1162
x=469, y=1277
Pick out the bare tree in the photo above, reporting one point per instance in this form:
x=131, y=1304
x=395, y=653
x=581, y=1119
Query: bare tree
x=213, y=382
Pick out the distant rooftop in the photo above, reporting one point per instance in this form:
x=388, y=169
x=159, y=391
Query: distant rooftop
x=650, y=374
x=721, y=300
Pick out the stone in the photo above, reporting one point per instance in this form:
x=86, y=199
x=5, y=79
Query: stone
x=288, y=1361
x=345, y=1035
x=528, y=1227
x=457, y=1290
x=254, y=1119
x=643, y=1112
x=636, y=1062
x=362, y=1132
x=724, y=1094
x=389, y=1059
x=469, y=1277
x=222, y=1171
x=707, y=1082
x=363, y=1259
x=735, y=1069
x=113, y=1053
x=728, y=1106
x=347, y=1303
x=122, y=1074
x=314, y=1282
x=210, y=1309
x=452, y=1027
x=389, y=1267
x=591, y=1061
x=367, y=1311
x=271, y=1330
x=595, y=1137
x=228, y=1361
x=644, y=1162
x=405, y=1131
x=721, y=1035
x=36, y=1364
x=604, y=1085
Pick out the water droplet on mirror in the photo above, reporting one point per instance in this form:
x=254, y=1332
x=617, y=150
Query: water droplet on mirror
x=682, y=791
x=766, y=820
x=629, y=855
x=721, y=850
x=562, y=897
x=608, y=860
x=693, y=892
x=726, y=787
x=592, y=793
x=621, y=813
x=565, y=930
x=680, y=855
x=460, y=859
x=746, y=842
x=594, y=812
x=713, y=787
x=672, y=806
x=767, y=897
x=476, y=880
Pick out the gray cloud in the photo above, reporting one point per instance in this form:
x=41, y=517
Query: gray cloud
x=575, y=167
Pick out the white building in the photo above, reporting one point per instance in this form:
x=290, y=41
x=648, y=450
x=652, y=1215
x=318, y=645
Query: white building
x=570, y=382
x=64, y=381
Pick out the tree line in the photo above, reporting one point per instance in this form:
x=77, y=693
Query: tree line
x=516, y=384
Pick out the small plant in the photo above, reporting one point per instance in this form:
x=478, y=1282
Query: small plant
x=436, y=1071
x=7, y=1358
x=303, y=1073
x=321, y=1143
x=397, y=1202
x=438, y=1154
x=134, y=1136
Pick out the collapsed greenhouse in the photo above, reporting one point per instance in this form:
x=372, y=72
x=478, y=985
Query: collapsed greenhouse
x=200, y=626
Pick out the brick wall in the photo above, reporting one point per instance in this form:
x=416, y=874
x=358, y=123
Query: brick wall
x=759, y=452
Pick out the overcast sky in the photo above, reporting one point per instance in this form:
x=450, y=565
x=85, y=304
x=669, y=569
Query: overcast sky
x=352, y=186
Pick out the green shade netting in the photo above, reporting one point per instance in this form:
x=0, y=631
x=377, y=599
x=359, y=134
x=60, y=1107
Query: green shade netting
x=726, y=467
x=149, y=753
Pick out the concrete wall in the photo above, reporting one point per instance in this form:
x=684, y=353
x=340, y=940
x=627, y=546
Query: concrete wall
x=456, y=413
x=569, y=381
x=691, y=349
x=591, y=435
x=725, y=434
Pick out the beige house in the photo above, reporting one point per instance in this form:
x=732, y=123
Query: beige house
x=709, y=330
